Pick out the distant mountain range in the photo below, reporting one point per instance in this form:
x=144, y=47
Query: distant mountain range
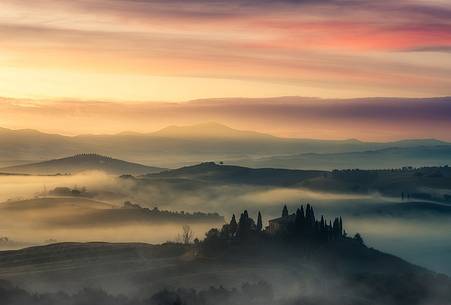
x=209, y=131
x=177, y=146
x=80, y=163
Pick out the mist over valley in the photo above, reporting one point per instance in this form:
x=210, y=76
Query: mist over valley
x=409, y=218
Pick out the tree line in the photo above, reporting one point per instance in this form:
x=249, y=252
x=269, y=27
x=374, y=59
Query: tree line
x=302, y=226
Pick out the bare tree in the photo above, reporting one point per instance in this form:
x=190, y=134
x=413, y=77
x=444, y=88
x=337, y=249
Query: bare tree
x=187, y=235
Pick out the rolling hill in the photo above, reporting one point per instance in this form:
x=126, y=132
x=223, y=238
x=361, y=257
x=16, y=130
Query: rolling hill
x=225, y=174
x=428, y=183
x=80, y=163
x=77, y=212
x=393, y=157
x=350, y=273
x=44, y=204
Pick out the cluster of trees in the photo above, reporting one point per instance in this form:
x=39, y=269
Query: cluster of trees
x=245, y=228
x=155, y=213
x=416, y=170
x=249, y=293
x=66, y=191
x=302, y=225
x=362, y=289
x=307, y=227
x=90, y=155
x=405, y=196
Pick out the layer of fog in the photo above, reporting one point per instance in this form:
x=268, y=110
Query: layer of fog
x=23, y=224
x=24, y=187
x=419, y=237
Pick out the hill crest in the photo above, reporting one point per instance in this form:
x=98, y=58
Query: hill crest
x=83, y=162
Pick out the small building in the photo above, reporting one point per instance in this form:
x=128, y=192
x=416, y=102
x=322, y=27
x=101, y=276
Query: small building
x=281, y=223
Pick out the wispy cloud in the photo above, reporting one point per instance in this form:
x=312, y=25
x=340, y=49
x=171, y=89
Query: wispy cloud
x=325, y=48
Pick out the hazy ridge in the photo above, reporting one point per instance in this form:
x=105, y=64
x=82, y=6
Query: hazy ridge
x=80, y=163
x=177, y=146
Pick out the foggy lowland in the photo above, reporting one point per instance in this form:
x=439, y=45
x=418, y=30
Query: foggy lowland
x=240, y=152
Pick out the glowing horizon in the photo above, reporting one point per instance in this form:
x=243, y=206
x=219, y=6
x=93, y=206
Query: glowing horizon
x=374, y=119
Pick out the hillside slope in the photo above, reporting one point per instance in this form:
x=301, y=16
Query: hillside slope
x=428, y=183
x=394, y=157
x=80, y=163
x=356, y=275
x=212, y=172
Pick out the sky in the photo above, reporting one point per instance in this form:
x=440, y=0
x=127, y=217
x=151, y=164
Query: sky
x=107, y=66
x=179, y=50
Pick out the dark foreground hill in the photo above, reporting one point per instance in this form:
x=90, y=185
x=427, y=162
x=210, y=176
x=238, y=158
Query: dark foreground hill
x=318, y=265
x=332, y=276
x=329, y=276
x=80, y=163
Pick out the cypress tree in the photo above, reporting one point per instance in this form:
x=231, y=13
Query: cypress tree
x=335, y=228
x=312, y=215
x=259, y=222
x=244, y=225
x=233, y=225
x=241, y=225
x=299, y=220
x=285, y=211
